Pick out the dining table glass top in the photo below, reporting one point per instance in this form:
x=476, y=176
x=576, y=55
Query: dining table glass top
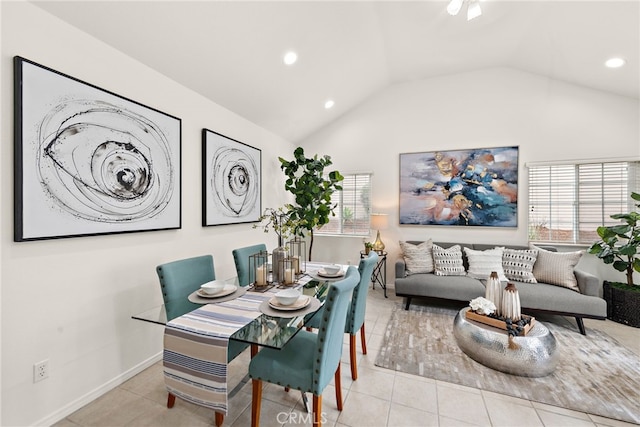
x=265, y=330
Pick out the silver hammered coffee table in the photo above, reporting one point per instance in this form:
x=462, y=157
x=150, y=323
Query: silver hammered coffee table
x=537, y=355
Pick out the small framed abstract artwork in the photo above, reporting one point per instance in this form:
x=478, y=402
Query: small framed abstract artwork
x=475, y=187
x=88, y=161
x=231, y=180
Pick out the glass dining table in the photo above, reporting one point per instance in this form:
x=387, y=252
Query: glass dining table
x=264, y=331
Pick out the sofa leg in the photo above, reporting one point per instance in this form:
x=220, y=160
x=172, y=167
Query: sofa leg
x=406, y=306
x=580, y=323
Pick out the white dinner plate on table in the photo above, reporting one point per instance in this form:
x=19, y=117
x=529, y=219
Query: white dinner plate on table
x=227, y=290
x=323, y=273
x=301, y=303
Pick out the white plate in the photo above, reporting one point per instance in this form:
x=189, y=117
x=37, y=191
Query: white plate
x=302, y=302
x=227, y=290
x=323, y=273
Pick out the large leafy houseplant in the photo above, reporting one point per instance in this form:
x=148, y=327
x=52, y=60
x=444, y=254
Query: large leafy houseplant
x=312, y=188
x=618, y=244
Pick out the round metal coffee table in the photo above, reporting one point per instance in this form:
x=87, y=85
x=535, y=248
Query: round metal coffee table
x=537, y=355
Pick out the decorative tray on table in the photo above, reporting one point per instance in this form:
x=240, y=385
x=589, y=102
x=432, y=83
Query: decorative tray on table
x=497, y=323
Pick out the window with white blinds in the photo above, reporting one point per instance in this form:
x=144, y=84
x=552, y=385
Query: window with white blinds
x=353, y=207
x=567, y=203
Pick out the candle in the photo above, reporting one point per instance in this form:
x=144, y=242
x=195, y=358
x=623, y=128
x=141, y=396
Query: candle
x=289, y=274
x=295, y=262
x=261, y=275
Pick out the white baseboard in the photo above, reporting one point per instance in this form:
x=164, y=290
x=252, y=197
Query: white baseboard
x=97, y=392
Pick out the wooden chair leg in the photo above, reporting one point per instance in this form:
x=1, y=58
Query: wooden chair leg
x=171, y=400
x=256, y=397
x=254, y=350
x=286, y=389
x=363, y=341
x=317, y=411
x=219, y=419
x=352, y=357
x=338, y=386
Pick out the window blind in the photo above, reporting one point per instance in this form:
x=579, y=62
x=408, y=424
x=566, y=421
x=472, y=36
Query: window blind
x=567, y=203
x=353, y=207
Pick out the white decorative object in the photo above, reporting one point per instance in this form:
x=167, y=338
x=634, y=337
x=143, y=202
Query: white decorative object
x=482, y=306
x=289, y=275
x=511, y=303
x=261, y=275
x=482, y=263
x=493, y=291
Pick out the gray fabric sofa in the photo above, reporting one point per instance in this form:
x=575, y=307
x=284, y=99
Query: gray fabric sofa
x=534, y=297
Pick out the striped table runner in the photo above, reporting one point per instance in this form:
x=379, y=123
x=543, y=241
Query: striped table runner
x=196, y=344
x=195, y=349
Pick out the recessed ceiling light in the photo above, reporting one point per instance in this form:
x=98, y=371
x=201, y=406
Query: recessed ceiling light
x=329, y=104
x=615, y=62
x=290, y=58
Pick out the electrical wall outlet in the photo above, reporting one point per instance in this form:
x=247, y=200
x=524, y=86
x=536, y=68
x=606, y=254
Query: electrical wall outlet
x=41, y=370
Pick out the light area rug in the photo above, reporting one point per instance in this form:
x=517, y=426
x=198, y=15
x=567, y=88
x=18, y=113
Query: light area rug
x=595, y=374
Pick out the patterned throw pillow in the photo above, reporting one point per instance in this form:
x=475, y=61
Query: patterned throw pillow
x=417, y=258
x=482, y=263
x=448, y=262
x=556, y=268
x=518, y=264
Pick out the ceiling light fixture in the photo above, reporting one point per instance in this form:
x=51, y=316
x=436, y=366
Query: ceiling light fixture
x=615, y=62
x=329, y=104
x=473, y=9
x=290, y=58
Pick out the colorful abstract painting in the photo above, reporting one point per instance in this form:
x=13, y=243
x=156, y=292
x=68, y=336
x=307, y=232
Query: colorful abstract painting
x=475, y=187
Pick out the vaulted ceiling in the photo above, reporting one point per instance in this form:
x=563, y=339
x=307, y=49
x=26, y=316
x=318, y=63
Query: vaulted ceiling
x=231, y=51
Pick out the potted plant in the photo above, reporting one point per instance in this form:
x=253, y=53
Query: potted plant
x=618, y=245
x=312, y=190
x=368, y=246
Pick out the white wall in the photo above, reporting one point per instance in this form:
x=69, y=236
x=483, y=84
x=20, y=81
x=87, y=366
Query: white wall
x=71, y=300
x=548, y=120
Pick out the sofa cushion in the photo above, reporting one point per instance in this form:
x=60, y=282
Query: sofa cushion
x=448, y=262
x=482, y=263
x=459, y=288
x=556, y=268
x=518, y=264
x=418, y=258
x=546, y=297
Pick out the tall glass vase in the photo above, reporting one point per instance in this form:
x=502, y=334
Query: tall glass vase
x=277, y=262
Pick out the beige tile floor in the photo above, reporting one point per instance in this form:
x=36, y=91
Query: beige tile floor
x=379, y=397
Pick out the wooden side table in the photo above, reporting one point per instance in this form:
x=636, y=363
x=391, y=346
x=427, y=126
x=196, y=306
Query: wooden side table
x=379, y=274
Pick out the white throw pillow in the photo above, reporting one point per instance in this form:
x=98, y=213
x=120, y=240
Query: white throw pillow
x=518, y=264
x=417, y=258
x=556, y=268
x=482, y=263
x=448, y=262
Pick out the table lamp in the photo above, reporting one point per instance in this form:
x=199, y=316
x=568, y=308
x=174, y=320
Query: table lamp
x=379, y=222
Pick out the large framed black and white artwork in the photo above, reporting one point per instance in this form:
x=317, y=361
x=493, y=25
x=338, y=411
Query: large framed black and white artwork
x=231, y=180
x=89, y=161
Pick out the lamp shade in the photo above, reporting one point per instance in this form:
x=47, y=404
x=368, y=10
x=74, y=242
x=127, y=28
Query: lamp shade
x=379, y=221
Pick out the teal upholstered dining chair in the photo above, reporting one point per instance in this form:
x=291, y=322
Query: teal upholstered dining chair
x=357, y=309
x=308, y=361
x=180, y=278
x=241, y=258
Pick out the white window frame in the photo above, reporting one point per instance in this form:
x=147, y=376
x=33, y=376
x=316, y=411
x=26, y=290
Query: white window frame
x=354, y=185
x=569, y=200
